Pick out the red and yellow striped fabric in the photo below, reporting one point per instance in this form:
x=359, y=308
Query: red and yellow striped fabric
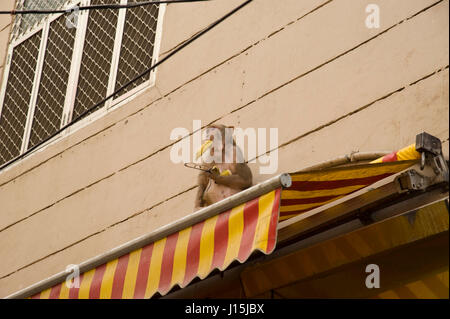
x=180, y=257
x=312, y=189
x=232, y=235
x=405, y=154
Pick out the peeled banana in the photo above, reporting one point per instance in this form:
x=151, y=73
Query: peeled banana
x=203, y=149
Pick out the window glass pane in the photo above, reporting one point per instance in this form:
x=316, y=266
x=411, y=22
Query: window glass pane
x=53, y=85
x=137, y=45
x=17, y=97
x=97, y=57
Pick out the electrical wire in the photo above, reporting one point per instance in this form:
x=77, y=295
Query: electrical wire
x=167, y=57
x=97, y=7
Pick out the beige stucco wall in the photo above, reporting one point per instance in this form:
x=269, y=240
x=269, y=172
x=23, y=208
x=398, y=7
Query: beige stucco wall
x=310, y=68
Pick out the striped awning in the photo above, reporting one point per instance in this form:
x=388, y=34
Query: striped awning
x=232, y=235
x=312, y=189
x=404, y=154
x=180, y=257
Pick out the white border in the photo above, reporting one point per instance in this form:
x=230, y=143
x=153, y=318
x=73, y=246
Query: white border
x=5, y=77
x=75, y=65
x=35, y=89
x=116, y=53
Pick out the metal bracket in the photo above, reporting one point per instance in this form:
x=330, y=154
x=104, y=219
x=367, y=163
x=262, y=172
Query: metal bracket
x=428, y=143
x=412, y=180
x=439, y=166
x=430, y=148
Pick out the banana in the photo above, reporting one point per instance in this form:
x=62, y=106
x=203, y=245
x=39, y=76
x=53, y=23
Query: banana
x=226, y=172
x=215, y=169
x=203, y=149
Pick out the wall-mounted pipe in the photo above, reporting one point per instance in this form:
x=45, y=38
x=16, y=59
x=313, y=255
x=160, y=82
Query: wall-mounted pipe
x=352, y=158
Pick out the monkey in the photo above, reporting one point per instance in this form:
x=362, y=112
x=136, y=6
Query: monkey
x=229, y=176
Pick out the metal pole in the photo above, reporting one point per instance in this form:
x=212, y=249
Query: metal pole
x=283, y=180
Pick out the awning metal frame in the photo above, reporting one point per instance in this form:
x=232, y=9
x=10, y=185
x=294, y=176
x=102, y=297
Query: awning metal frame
x=400, y=194
x=424, y=183
x=282, y=180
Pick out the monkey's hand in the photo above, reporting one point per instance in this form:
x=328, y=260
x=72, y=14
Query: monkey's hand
x=242, y=179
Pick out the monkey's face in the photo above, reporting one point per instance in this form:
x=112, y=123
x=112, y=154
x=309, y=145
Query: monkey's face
x=217, y=138
x=216, y=135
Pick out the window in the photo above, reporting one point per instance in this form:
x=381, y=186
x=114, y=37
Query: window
x=53, y=83
x=58, y=67
x=17, y=96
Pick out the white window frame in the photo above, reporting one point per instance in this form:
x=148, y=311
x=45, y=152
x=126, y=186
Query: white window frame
x=110, y=105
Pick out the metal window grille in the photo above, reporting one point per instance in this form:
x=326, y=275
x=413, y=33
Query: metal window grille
x=17, y=97
x=53, y=84
x=137, y=47
x=55, y=71
x=97, y=58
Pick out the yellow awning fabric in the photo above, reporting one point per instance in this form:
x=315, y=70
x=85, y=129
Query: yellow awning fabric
x=180, y=257
x=404, y=154
x=312, y=189
x=312, y=272
x=434, y=286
